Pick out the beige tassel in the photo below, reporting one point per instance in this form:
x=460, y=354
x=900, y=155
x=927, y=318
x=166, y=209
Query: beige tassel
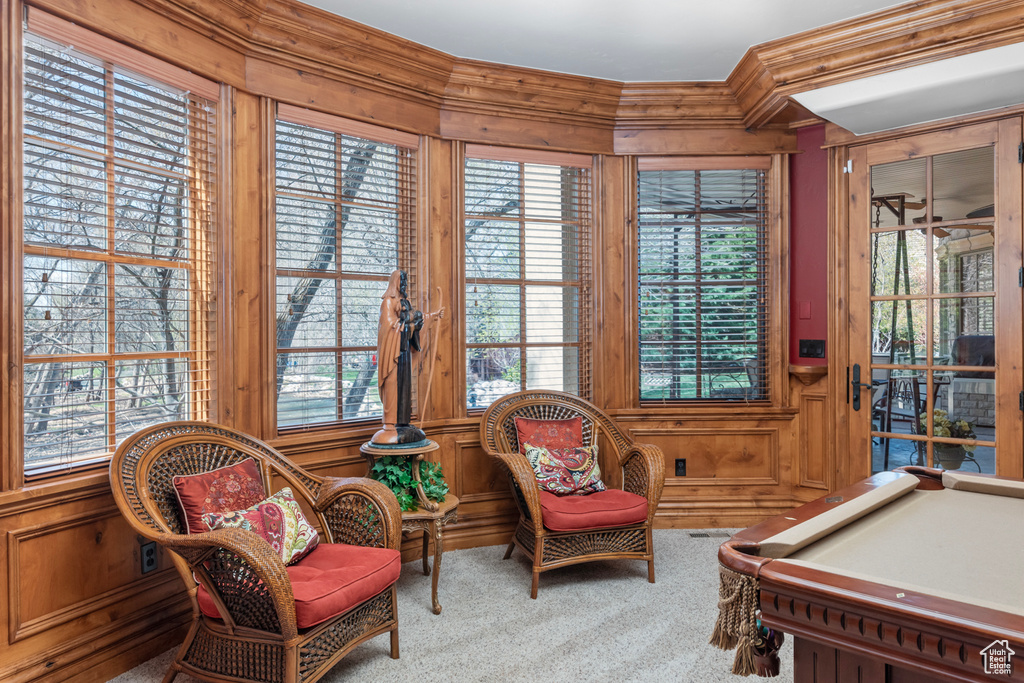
x=736, y=625
x=744, y=665
x=720, y=638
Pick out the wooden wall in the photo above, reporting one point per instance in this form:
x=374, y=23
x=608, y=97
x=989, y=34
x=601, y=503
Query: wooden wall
x=74, y=604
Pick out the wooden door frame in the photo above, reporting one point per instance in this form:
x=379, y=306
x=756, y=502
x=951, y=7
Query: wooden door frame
x=847, y=161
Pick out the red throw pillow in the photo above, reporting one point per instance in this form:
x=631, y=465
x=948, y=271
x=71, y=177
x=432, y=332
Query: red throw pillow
x=549, y=433
x=235, y=487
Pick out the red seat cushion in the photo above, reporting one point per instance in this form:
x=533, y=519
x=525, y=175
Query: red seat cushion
x=596, y=510
x=332, y=579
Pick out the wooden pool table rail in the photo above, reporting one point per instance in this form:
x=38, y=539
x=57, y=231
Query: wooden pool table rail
x=862, y=630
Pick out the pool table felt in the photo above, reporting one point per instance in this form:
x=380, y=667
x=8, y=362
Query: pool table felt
x=950, y=543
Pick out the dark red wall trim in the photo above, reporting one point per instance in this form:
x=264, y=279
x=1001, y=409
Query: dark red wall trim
x=808, y=260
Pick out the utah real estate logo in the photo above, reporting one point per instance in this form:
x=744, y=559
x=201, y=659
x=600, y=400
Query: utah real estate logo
x=998, y=658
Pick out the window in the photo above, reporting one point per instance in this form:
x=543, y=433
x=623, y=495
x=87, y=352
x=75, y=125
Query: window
x=976, y=275
x=118, y=233
x=528, y=273
x=702, y=238
x=345, y=208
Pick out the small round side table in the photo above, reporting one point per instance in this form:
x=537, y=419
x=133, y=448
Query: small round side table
x=432, y=517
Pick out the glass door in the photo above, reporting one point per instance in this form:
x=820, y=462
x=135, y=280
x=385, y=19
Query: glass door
x=935, y=303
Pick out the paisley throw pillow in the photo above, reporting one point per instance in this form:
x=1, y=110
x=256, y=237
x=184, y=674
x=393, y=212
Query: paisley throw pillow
x=278, y=519
x=566, y=471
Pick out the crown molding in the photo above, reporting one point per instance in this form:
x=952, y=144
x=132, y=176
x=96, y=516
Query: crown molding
x=685, y=104
x=290, y=51
x=887, y=40
x=485, y=88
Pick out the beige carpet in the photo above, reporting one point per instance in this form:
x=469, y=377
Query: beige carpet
x=600, y=621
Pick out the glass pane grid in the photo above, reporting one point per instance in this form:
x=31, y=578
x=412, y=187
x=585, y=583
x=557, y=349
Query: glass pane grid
x=933, y=326
x=526, y=251
x=307, y=388
x=330, y=280
x=702, y=247
x=65, y=412
x=65, y=306
x=151, y=309
x=64, y=95
x=151, y=391
x=113, y=339
x=150, y=124
x=152, y=216
x=53, y=212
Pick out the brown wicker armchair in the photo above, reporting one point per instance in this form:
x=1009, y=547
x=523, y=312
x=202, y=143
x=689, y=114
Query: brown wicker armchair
x=636, y=468
x=257, y=636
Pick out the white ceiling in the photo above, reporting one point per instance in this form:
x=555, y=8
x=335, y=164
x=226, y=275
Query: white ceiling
x=966, y=84
x=619, y=40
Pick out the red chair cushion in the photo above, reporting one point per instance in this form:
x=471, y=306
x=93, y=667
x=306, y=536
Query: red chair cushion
x=332, y=579
x=226, y=489
x=608, y=508
x=549, y=433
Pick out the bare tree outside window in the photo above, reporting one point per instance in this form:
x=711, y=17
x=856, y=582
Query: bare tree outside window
x=527, y=265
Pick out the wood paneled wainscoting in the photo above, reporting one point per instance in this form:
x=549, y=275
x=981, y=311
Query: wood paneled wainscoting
x=75, y=602
x=741, y=465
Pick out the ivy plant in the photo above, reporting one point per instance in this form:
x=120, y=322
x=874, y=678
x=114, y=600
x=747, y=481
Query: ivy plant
x=394, y=472
x=434, y=485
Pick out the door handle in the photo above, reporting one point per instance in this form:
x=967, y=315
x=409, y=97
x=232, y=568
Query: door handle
x=857, y=385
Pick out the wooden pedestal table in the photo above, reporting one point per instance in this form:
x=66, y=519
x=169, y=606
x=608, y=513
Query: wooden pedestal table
x=432, y=516
x=432, y=523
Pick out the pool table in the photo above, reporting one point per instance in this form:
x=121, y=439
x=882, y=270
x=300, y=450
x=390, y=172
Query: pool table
x=911, y=575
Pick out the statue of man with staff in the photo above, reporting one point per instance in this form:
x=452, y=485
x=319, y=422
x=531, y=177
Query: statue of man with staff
x=398, y=336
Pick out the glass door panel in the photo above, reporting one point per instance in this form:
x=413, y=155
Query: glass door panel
x=931, y=227
x=898, y=331
x=899, y=262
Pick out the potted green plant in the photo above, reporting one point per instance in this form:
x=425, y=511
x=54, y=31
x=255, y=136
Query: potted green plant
x=395, y=472
x=949, y=455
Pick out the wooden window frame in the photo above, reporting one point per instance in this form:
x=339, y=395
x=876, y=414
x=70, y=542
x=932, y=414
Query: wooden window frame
x=198, y=267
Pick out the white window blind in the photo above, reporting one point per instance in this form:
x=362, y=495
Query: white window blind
x=528, y=274
x=345, y=211
x=703, y=284
x=118, y=238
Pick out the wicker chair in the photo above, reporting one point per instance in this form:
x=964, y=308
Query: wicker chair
x=257, y=637
x=637, y=468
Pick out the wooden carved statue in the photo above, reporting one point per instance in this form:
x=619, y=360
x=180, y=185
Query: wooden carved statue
x=398, y=337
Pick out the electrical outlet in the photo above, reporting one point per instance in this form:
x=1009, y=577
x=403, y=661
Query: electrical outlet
x=148, y=553
x=812, y=348
x=680, y=467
